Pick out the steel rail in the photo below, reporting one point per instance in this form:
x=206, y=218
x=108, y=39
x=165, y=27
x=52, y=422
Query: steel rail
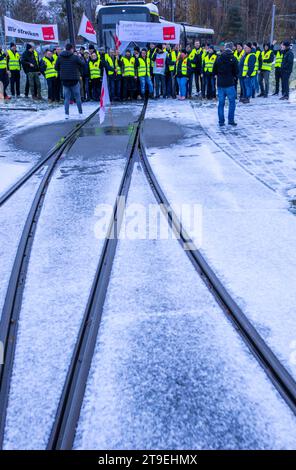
x=18, y=184
x=64, y=428
x=275, y=370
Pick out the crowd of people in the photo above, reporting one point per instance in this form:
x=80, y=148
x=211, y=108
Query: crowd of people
x=159, y=70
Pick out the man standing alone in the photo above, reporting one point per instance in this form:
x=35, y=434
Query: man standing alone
x=70, y=67
x=287, y=69
x=226, y=69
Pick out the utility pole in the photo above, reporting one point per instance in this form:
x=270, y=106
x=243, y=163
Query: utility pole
x=173, y=11
x=70, y=18
x=272, y=23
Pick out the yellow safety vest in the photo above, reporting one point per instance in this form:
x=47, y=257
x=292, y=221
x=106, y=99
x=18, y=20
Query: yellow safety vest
x=150, y=55
x=278, y=59
x=174, y=57
x=266, y=56
x=144, y=67
x=128, y=67
x=191, y=57
x=258, y=54
x=108, y=59
x=203, y=56
x=94, y=69
x=209, y=63
x=118, y=67
x=36, y=56
x=3, y=63
x=185, y=66
x=50, y=71
x=238, y=55
x=246, y=66
x=14, y=60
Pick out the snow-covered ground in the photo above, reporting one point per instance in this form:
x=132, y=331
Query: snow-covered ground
x=248, y=233
x=169, y=371
x=264, y=142
x=61, y=269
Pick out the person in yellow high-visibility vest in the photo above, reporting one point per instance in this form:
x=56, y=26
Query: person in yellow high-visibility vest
x=96, y=74
x=14, y=68
x=47, y=68
x=248, y=70
x=209, y=77
x=129, y=84
x=266, y=68
x=143, y=68
x=173, y=56
x=183, y=70
x=279, y=54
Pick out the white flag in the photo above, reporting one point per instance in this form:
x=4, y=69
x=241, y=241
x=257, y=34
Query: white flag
x=87, y=30
x=105, y=98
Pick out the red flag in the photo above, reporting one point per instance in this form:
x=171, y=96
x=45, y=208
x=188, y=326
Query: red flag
x=87, y=30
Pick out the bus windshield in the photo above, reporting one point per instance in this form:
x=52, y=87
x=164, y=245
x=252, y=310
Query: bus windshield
x=108, y=18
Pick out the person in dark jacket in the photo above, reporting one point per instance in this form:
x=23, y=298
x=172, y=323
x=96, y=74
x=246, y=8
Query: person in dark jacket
x=287, y=69
x=70, y=68
x=30, y=65
x=226, y=69
x=85, y=76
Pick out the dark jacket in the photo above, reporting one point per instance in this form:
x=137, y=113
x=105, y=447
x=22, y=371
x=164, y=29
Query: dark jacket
x=226, y=69
x=288, y=61
x=69, y=66
x=28, y=57
x=85, y=67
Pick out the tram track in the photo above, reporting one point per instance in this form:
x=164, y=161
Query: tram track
x=14, y=295
x=39, y=165
x=62, y=434
x=277, y=373
x=63, y=431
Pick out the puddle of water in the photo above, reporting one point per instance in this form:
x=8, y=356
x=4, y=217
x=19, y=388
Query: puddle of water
x=95, y=131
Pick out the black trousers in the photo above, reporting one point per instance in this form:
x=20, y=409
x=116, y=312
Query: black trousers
x=278, y=77
x=285, y=83
x=129, y=87
x=52, y=89
x=96, y=85
x=5, y=80
x=15, y=80
x=198, y=81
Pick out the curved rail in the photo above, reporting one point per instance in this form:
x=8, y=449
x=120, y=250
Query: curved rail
x=275, y=370
x=64, y=140
x=14, y=295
